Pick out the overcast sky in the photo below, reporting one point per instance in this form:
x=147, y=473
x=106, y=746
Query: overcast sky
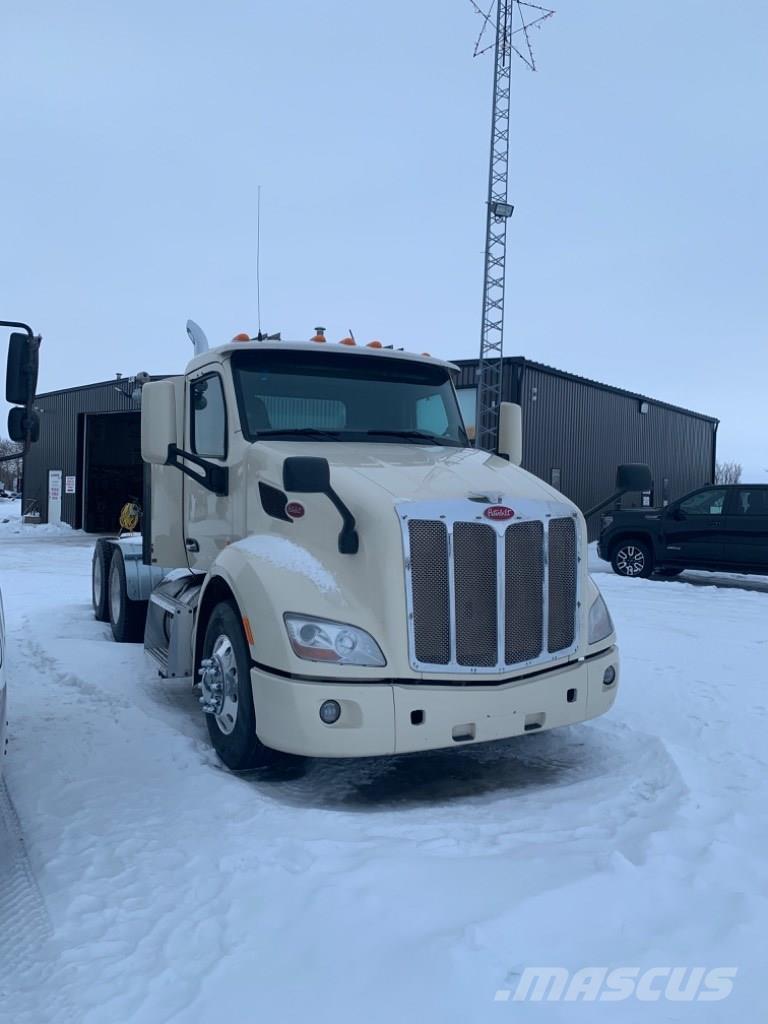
x=135, y=136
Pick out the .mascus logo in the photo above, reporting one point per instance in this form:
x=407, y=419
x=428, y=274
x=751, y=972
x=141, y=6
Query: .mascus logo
x=499, y=512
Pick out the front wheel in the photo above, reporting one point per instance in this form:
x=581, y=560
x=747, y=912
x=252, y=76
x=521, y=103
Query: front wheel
x=227, y=699
x=632, y=558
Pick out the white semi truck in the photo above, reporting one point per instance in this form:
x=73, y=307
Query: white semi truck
x=340, y=573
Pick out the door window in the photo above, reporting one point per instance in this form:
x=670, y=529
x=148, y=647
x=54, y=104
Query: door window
x=209, y=417
x=751, y=502
x=705, y=503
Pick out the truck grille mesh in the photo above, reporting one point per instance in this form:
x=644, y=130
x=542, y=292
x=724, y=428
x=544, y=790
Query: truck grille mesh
x=486, y=598
x=562, y=584
x=429, y=583
x=474, y=588
x=524, y=611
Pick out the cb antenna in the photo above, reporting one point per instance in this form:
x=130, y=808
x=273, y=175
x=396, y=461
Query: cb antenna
x=509, y=23
x=258, y=257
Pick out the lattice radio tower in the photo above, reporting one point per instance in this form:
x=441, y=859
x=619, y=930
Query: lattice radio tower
x=507, y=19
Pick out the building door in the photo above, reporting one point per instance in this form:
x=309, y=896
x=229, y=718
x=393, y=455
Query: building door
x=693, y=528
x=745, y=537
x=112, y=472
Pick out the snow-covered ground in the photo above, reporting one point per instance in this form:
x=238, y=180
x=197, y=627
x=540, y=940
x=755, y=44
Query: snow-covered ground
x=142, y=884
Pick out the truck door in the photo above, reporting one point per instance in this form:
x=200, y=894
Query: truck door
x=693, y=529
x=745, y=537
x=207, y=516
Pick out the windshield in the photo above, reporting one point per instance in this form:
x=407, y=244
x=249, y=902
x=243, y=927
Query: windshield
x=328, y=396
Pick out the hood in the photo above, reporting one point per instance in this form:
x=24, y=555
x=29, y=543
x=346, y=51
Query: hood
x=415, y=472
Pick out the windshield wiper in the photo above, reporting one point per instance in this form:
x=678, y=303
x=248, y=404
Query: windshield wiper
x=300, y=432
x=412, y=435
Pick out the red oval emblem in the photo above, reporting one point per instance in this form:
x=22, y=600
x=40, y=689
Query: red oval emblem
x=499, y=512
x=294, y=509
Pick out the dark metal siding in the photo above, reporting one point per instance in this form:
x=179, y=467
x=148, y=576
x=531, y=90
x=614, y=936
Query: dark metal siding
x=585, y=429
x=60, y=435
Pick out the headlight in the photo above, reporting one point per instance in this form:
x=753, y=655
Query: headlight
x=600, y=622
x=332, y=642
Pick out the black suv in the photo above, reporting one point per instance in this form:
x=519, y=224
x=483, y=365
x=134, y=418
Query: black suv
x=721, y=528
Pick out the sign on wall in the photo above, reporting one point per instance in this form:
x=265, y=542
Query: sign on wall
x=69, y=485
x=54, y=495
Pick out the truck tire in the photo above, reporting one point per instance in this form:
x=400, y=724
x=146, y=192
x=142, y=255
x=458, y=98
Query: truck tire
x=100, y=581
x=126, y=617
x=232, y=726
x=632, y=558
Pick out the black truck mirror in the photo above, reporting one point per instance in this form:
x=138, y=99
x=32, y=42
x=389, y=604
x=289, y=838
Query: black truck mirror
x=306, y=475
x=21, y=372
x=22, y=424
x=634, y=476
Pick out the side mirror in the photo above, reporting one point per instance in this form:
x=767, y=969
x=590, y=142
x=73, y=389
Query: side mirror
x=677, y=513
x=634, y=476
x=307, y=475
x=310, y=475
x=158, y=421
x=23, y=425
x=511, y=432
x=21, y=371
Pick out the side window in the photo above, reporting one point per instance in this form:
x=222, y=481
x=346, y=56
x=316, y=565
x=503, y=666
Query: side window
x=431, y=416
x=209, y=417
x=706, y=503
x=752, y=502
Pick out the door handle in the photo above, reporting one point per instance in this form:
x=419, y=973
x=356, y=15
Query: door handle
x=191, y=544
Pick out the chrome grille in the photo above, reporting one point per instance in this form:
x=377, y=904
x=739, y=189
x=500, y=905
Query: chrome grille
x=485, y=597
x=523, y=607
x=474, y=588
x=562, y=584
x=430, y=594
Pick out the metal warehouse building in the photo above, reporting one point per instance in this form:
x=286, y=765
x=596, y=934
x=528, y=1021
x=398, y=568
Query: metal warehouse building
x=87, y=463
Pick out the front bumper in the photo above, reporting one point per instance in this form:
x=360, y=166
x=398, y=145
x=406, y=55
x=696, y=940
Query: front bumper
x=394, y=718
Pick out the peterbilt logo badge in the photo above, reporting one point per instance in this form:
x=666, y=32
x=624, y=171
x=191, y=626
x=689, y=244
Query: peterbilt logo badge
x=295, y=509
x=499, y=512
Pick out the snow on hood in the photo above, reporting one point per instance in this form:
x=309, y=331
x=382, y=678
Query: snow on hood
x=286, y=554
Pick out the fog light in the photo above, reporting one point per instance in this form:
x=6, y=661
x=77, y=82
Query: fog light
x=330, y=711
x=609, y=677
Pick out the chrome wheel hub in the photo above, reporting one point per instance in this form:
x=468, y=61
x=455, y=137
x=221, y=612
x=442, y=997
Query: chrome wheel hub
x=219, y=684
x=630, y=560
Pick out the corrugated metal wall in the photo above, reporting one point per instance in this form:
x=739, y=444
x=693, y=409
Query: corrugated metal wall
x=60, y=440
x=577, y=431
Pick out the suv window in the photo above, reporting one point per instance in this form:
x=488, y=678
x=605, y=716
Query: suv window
x=752, y=501
x=209, y=417
x=705, y=503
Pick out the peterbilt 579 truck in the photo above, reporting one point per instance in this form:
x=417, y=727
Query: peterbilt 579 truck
x=340, y=572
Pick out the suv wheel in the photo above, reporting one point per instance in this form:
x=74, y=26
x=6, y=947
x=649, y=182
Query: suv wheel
x=632, y=558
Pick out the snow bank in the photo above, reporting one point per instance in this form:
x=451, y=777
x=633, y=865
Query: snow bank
x=11, y=522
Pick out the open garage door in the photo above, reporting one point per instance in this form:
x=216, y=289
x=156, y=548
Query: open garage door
x=112, y=468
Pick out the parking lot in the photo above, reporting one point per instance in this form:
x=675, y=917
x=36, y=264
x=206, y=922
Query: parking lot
x=146, y=884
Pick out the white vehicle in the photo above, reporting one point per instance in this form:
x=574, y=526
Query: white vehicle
x=24, y=428
x=355, y=578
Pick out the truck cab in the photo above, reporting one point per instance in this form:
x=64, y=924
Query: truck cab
x=351, y=577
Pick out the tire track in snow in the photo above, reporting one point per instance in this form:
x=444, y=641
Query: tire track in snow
x=26, y=935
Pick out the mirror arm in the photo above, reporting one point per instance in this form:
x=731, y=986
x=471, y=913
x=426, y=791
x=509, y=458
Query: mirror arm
x=215, y=478
x=349, y=540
